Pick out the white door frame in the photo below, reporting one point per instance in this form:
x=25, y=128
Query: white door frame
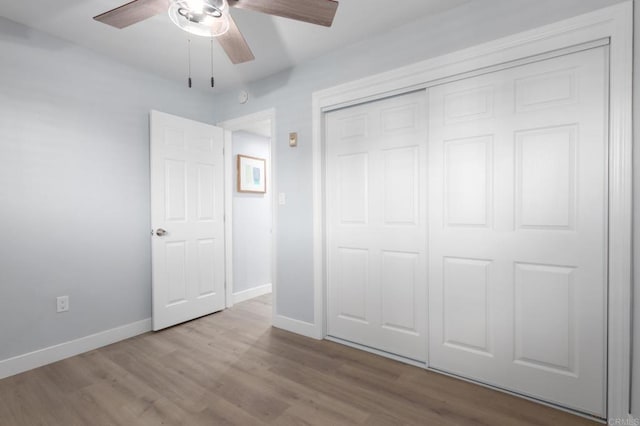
x=230, y=126
x=615, y=24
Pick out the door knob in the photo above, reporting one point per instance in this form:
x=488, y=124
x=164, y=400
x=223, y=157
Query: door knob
x=161, y=232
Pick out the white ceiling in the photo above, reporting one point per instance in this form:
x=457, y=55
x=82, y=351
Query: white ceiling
x=157, y=46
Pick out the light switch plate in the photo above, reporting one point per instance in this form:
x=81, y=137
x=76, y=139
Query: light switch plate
x=293, y=139
x=282, y=198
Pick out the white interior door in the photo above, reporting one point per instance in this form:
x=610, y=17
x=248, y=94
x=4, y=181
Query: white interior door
x=518, y=219
x=376, y=225
x=187, y=206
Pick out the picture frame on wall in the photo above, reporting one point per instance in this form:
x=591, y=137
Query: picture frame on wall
x=252, y=174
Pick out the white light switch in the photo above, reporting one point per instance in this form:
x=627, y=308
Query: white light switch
x=282, y=198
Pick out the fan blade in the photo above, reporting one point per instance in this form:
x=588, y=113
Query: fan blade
x=132, y=13
x=235, y=45
x=320, y=12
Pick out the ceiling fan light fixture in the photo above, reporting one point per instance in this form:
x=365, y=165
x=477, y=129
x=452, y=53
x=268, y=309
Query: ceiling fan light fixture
x=205, y=18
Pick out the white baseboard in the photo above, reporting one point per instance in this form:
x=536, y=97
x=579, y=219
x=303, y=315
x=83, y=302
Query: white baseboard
x=241, y=296
x=296, y=326
x=35, y=359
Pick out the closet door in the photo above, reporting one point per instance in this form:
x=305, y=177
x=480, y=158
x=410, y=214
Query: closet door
x=517, y=229
x=376, y=225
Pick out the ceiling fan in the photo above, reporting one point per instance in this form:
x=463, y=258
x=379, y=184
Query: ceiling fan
x=212, y=18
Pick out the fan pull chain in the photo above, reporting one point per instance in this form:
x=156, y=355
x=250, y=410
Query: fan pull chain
x=213, y=83
x=189, y=54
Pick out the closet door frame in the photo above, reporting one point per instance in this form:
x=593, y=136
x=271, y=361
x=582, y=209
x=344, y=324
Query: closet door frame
x=612, y=26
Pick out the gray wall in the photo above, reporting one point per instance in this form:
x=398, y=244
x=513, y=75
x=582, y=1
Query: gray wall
x=290, y=92
x=74, y=188
x=251, y=220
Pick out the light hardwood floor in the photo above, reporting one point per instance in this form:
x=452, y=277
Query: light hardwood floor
x=232, y=368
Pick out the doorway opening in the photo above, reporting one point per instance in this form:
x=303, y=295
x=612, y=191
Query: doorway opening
x=250, y=215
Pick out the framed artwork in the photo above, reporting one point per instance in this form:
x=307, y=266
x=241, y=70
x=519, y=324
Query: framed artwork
x=252, y=174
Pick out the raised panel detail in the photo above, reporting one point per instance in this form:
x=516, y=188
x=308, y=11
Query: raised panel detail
x=468, y=105
x=401, y=181
x=354, y=127
x=466, y=310
x=545, y=173
x=176, y=268
x=544, y=317
x=353, y=283
x=545, y=90
x=174, y=138
x=468, y=181
x=206, y=192
x=206, y=266
x=353, y=187
x=175, y=190
x=398, y=282
x=201, y=144
x=401, y=118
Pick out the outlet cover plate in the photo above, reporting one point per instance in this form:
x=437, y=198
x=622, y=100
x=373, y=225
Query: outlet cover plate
x=62, y=303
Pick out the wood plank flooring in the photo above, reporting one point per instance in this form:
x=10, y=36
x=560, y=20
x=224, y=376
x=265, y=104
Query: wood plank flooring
x=233, y=368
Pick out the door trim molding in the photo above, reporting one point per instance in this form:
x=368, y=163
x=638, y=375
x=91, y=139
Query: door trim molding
x=614, y=23
x=230, y=126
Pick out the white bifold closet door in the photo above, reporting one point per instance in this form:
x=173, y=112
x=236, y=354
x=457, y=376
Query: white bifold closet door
x=518, y=229
x=376, y=225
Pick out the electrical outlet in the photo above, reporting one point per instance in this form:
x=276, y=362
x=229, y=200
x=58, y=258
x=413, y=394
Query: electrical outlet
x=63, y=303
